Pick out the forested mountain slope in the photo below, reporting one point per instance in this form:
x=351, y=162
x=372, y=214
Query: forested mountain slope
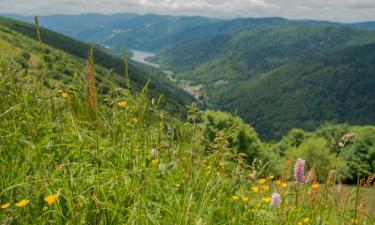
x=139, y=75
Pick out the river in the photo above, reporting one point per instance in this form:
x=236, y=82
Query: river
x=140, y=56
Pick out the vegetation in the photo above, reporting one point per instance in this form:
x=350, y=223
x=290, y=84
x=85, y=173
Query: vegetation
x=72, y=153
x=285, y=76
x=139, y=75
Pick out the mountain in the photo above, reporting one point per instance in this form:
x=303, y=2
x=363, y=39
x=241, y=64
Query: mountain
x=151, y=32
x=139, y=75
x=221, y=62
x=143, y=32
x=229, y=69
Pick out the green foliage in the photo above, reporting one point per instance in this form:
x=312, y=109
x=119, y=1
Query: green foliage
x=360, y=152
x=282, y=77
x=319, y=157
x=132, y=163
x=139, y=75
x=239, y=136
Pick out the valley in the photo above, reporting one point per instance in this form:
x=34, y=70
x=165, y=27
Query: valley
x=208, y=121
x=141, y=57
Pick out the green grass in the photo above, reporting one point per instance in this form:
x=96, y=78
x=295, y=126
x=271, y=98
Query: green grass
x=126, y=160
x=102, y=168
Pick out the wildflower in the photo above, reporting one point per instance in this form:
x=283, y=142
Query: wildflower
x=5, y=205
x=235, y=197
x=284, y=185
x=209, y=167
x=271, y=177
x=122, y=104
x=65, y=95
x=354, y=221
x=245, y=199
x=255, y=189
x=155, y=162
x=315, y=186
x=299, y=223
x=22, y=203
x=218, y=174
x=266, y=188
x=262, y=181
x=299, y=170
x=267, y=199
x=178, y=185
x=135, y=120
x=276, y=199
x=278, y=182
x=50, y=199
x=221, y=164
x=306, y=220
x=253, y=174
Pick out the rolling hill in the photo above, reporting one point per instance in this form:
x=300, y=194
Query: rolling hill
x=227, y=62
x=229, y=69
x=139, y=74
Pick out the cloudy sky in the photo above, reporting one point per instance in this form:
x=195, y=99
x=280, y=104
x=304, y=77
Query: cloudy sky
x=336, y=10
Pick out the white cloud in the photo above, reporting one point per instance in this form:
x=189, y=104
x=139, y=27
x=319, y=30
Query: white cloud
x=341, y=10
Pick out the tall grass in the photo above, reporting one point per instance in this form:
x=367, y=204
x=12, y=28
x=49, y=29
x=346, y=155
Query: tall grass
x=134, y=164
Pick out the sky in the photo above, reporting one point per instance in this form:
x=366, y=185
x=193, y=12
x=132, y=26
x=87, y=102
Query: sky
x=333, y=10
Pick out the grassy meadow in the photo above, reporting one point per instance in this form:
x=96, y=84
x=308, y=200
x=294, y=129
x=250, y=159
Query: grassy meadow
x=69, y=155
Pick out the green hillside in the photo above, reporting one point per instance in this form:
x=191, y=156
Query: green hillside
x=233, y=72
x=139, y=75
x=336, y=87
x=72, y=155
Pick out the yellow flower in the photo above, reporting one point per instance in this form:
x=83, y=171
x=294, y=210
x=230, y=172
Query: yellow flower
x=65, y=95
x=278, y=182
x=218, y=174
x=135, y=120
x=161, y=126
x=178, y=185
x=50, y=199
x=5, y=206
x=315, y=186
x=299, y=223
x=271, y=177
x=209, y=167
x=235, y=197
x=306, y=220
x=221, y=164
x=284, y=185
x=155, y=162
x=245, y=199
x=262, y=181
x=267, y=199
x=122, y=104
x=354, y=221
x=22, y=203
x=266, y=188
x=255, y=189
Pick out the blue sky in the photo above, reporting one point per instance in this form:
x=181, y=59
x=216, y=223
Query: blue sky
x=335, y=10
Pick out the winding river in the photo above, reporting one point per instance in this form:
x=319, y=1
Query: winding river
x=140, y=56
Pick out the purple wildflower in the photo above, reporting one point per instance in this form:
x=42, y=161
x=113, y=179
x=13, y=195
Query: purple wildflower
x=299, y=170
x=276, y=200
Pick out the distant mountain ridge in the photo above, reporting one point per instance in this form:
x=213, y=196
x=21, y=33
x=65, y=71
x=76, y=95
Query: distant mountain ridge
x=276, y=73
x=152, y=32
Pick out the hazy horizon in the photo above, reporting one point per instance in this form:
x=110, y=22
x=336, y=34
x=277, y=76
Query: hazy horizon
x=334, y=10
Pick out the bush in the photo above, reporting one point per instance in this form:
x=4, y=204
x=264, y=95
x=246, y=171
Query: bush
x=317, y=154
x=239, y=136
